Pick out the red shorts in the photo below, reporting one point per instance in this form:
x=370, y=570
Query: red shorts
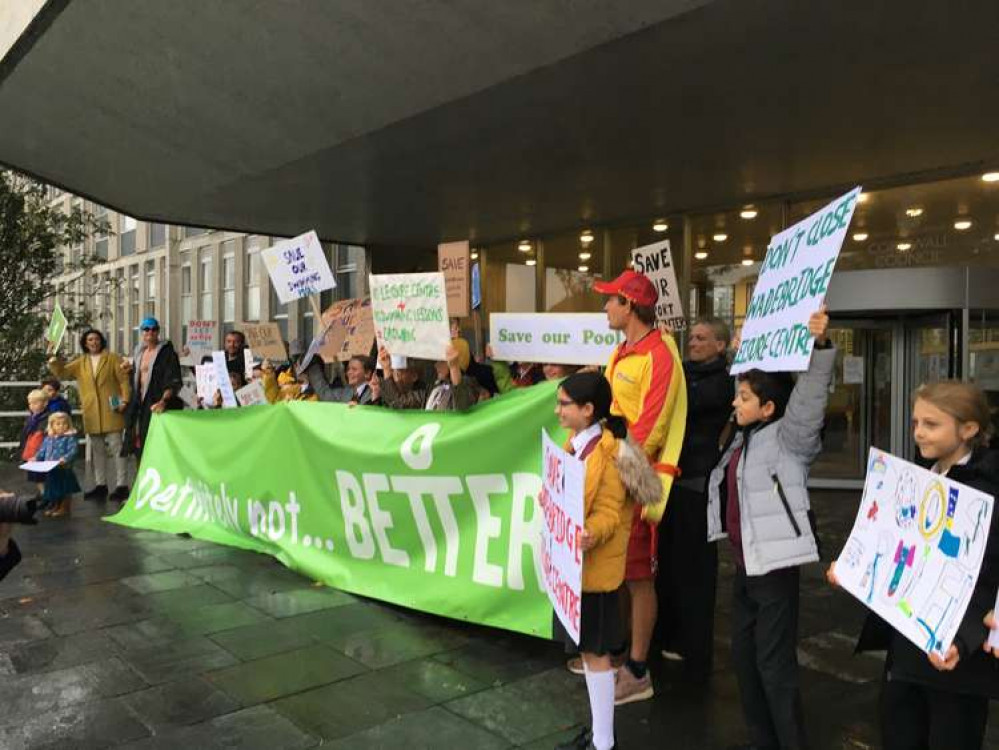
x=643, y=547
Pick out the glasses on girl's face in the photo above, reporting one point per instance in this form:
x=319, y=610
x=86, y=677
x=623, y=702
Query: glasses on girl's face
x=565, y=402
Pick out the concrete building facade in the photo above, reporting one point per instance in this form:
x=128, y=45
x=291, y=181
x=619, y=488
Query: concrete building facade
x=178, y=274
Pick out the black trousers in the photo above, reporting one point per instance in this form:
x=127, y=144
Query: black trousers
x=764, y=654
x=914, y=717
x=687, y=580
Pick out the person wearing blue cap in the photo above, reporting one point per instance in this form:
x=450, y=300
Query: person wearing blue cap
x=156, y=382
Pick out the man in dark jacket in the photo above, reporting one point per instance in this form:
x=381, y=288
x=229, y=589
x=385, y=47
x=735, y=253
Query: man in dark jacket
x=156, y=383
x=688, y=565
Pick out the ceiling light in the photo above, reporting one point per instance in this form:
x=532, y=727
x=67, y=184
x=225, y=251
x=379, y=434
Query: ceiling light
x=863, y=198
x=524, y=246
x=531, y=262
x=859, y=236
x=747, y=261
x=585, y=256
x=474, y=256
x=749, y=213
x=700, y=255
x=962, y=224
x=990, y=177
x=913, y=212
x=586, y=237
x=996, y=238
x=660, y=226
x=720, y=237
x=903, y=246
x=584, y=269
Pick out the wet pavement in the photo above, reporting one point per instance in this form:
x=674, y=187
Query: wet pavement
x=111, y=637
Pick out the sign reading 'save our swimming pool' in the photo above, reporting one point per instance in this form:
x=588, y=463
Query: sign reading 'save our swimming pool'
x=557, y=338
x=792, y=285
x=298, y=267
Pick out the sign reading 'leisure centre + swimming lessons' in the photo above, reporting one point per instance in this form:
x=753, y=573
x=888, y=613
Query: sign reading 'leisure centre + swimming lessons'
x=557, y=338
x=410, y=314
x=792, y=285
x=439, y=514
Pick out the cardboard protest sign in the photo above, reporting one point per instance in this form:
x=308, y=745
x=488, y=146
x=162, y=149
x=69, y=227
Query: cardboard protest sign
x=265, y=339
x=453, y=261
x=251, y=394
x=350, y=329
x=298, y=267
x=205, y=382
x=561, y=502
x=222, y=381
x=793, y=281
x=916, y=549
x=558, y=338
x=410, y=314
x=200, y=339
x=56, y=329
x=655, y=261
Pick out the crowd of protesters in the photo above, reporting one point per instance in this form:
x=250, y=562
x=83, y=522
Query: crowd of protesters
x=679, y=456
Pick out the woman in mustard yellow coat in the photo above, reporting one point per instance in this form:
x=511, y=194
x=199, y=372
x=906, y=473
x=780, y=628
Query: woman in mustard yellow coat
x=617, y=476
x=104, y=394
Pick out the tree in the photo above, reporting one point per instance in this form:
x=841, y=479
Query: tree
x=32, y=236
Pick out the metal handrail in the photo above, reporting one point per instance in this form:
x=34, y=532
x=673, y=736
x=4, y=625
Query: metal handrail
x=21, y=414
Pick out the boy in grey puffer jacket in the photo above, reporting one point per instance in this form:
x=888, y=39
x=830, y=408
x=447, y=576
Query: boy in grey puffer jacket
x=757, y=496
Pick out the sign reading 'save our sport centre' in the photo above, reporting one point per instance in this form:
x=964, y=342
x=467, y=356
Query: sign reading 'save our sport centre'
x=557, y=338
x=792, y=285
x=655, y=261
x=298, y=267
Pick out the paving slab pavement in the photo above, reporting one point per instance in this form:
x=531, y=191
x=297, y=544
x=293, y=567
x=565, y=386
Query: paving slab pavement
x=112, y=637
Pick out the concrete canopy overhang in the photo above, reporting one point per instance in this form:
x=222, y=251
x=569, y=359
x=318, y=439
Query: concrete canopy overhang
x=409, y=122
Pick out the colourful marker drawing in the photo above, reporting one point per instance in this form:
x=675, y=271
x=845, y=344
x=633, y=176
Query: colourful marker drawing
x=950, y=544
x=904, y=557
x=932, y=511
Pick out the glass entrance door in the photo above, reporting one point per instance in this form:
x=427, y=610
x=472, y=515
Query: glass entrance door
x=861, y=399
x=879, y=362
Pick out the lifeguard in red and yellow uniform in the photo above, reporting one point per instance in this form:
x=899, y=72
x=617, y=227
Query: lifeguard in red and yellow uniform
x=646, y=377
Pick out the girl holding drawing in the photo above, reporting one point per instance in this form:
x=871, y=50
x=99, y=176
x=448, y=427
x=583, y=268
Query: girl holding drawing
x=617, y=476
x=943, y=702
x=60, y=483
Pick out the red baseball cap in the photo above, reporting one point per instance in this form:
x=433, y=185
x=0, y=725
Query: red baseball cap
x=632, y=286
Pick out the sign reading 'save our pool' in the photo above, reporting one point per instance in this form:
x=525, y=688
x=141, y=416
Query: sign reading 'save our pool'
x=558, y=338
x=792, y=285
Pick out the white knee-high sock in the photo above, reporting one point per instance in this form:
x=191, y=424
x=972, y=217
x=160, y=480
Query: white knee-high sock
x=600, y=686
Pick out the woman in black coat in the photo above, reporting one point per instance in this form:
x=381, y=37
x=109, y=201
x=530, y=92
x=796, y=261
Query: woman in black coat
x=688, y=563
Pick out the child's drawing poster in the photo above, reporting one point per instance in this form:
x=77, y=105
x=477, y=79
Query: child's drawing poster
x=915, y=550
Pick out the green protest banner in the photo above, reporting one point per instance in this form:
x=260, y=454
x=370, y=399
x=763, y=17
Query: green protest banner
x=429, y=510
x=56, y=329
